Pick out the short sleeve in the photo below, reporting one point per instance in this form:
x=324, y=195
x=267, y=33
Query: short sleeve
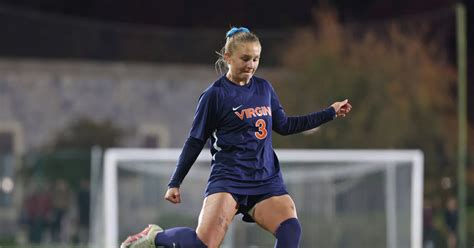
x=205, y=117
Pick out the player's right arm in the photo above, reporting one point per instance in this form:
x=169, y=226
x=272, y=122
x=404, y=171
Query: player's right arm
x=203, y=125
x=192, y=148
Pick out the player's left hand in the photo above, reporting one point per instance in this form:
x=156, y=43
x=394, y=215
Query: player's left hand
x=342, y=108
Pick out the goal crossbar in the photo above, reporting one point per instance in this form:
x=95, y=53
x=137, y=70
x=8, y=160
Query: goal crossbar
x=115, y=155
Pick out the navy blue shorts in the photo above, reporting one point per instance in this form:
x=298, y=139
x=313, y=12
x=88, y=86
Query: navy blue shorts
x=246, y=203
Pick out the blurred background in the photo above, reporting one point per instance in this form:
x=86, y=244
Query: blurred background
x=80, y=74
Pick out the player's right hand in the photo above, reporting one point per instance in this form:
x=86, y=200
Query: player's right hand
x=173, y=196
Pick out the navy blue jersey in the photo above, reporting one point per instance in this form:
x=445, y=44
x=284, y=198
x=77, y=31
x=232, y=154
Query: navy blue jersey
x=239, y=121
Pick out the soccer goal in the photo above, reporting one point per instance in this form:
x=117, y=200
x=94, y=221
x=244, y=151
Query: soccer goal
x=344, y=198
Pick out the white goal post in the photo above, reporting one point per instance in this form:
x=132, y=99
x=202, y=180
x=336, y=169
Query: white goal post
x=359, y=161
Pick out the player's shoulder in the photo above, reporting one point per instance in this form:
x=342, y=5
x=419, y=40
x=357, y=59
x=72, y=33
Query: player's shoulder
x=262, y=81
x=217, y=84
x=213, y=89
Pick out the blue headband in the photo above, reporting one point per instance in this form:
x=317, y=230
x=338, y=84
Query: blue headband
x=235, y=30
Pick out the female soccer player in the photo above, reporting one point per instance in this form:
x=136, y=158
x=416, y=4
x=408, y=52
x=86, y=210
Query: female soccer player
x=238, y=113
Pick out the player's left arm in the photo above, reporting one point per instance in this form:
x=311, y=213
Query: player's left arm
x=284, y=125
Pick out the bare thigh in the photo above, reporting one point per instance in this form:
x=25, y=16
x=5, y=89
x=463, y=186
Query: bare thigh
x=270, y=212
x=217, y=213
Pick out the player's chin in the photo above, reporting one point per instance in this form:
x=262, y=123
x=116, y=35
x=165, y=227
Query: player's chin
x=247, y=75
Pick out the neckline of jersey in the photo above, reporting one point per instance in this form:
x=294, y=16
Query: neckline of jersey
x=247, y=86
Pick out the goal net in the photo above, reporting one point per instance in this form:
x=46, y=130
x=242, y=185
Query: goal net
x=344, y=198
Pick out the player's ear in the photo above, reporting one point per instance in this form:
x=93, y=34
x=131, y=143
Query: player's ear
x=227, y=57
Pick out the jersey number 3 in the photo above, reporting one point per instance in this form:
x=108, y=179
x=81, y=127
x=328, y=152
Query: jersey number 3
x=262, y=131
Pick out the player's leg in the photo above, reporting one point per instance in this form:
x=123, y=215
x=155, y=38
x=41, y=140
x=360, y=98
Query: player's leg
x=216, y=215
x=277, y=215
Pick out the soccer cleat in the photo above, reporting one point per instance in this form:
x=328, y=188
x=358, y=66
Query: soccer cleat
x=144, y=239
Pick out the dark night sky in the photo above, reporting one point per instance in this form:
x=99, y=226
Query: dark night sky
x=265, y=14
x=257, y=13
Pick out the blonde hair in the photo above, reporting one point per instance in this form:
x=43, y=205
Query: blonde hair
x=234, y=37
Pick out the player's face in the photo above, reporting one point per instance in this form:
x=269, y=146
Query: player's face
x=243, y=62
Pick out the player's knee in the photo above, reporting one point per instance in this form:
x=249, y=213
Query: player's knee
x=212, y=235
x=288, y=234
x=210, y=241
x=213, y=245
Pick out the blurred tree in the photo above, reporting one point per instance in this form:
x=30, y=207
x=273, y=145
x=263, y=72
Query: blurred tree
x=84, y=133
x=400, y=85
x=68, y=155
